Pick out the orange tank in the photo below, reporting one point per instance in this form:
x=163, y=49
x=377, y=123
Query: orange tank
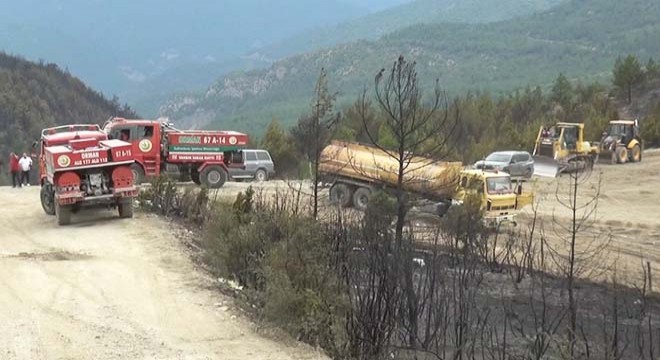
x=373, y=165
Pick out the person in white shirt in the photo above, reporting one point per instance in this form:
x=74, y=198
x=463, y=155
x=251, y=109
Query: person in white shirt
x=25, y=164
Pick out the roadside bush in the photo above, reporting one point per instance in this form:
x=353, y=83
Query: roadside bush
x=164, y=197
x=284, y=262
x=160, y=197
x=302, y=292
x=236, y=249
x=651, y=127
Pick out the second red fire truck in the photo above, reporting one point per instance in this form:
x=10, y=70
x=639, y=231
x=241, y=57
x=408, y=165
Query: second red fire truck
x=158, y=147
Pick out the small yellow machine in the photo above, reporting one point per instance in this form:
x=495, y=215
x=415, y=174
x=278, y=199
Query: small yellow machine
x=622, y=142
x=562, y=148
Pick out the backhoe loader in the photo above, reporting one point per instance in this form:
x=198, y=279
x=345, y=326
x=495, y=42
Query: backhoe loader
x=561, y=148
x=622, y=142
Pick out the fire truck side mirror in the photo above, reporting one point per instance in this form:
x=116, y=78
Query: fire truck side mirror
x=35, y=144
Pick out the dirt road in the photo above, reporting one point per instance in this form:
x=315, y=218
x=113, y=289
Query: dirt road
x=628, y=210
x=106, y=288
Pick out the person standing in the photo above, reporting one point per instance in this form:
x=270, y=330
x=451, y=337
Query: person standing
x=14, y=170
x=25, y=164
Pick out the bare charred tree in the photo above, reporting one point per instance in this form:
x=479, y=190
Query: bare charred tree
x=313, y=131
x=578, y=245
x=415, y=128
x=463, y=227
x=522, y=247
x=372, y=283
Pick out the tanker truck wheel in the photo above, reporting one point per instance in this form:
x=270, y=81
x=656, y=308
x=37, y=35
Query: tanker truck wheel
x=48, y=199
x=125, y=208
x=213, y=177
x=361, y=198
x=341, y=194
x=63, y=214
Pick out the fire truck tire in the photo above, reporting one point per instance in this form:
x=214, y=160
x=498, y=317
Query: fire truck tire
x=125, y=209
x=48, y=199
x=213, y=177
x=341, y=194
x=63, y=214
x=361, y=198
x=138, y=173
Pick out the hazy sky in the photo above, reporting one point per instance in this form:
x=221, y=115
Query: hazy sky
x=377, y=4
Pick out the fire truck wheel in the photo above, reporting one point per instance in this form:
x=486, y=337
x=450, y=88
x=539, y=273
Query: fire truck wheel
x=63, y=214
x=213, y=177
x=138, y=173
x=125, y=209
x=48, y=199
x=261, y=175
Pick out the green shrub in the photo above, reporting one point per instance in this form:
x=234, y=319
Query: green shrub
x=284, y=262
x=234, y=249
x=303, y=294
x=165, y=198
x=651, y=127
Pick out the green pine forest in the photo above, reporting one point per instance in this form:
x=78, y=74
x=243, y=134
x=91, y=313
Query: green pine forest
x=487, y=122
x=579, y=38
x=34, y=96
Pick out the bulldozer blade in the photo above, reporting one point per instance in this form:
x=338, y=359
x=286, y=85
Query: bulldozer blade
x=546, y=167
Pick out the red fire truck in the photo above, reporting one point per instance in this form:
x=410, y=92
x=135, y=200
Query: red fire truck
x=80, y=167
x=158, y=148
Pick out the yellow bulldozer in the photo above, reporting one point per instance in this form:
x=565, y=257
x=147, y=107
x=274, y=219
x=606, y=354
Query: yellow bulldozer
x=622, y=142
x=562, y=148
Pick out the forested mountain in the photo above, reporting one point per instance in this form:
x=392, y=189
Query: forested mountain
x=417, y=12
x=113, y=45
x=148, y=95
x=580, y=38
x=34, y=96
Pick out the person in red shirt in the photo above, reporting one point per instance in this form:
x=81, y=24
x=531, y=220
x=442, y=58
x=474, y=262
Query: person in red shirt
x=14, y=170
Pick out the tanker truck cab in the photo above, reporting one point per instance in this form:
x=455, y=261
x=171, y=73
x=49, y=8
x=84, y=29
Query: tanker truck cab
x=500, y=199
x=205, y=157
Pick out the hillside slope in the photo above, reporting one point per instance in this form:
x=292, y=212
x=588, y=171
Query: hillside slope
x=375, y=25
x=34, y=96
x=156, y=89
x=580, y=38
x=112, y=45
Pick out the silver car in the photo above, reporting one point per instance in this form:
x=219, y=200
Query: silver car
x=516, y=163
x=258, y=165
